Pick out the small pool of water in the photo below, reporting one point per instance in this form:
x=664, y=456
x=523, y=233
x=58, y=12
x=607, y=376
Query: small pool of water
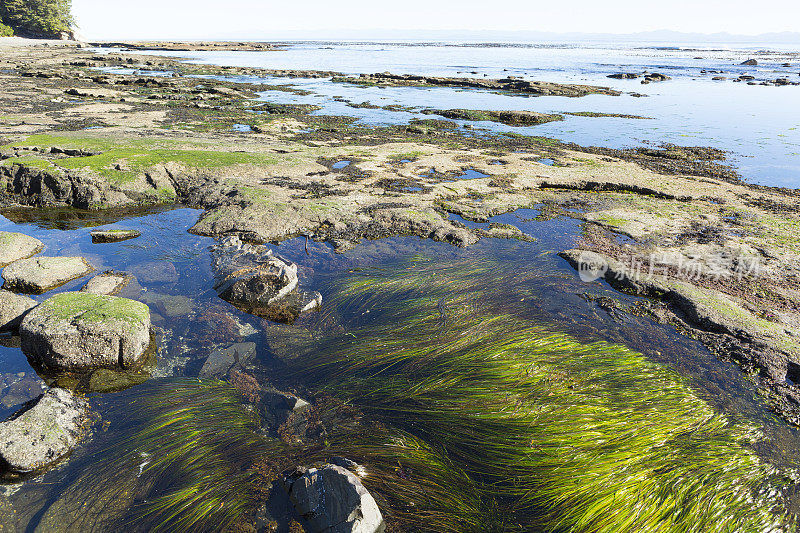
x=340, y=165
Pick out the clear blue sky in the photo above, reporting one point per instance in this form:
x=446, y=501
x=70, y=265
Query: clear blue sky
x=197, y=19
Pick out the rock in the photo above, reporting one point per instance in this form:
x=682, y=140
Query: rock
x=43, y=431
x=16, y=246
x=253, y=279
x=107, y=380
x=332, y=499
x=114, y=235
x=22, y=390
x=40, y=274
x=155, y=272
x=222, y=360
x=79, y=331
x=13, y=308
x=623, y=76
x=655, y=76
x=108, y=283
x=749, y=63
x=282, y=412
x=169, y=305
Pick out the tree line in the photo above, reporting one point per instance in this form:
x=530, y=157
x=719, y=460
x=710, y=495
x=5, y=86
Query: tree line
x=36, y=18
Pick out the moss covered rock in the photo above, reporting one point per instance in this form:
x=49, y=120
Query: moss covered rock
x=79, y=331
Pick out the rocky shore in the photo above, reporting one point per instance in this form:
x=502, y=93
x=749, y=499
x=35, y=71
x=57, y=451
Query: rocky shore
x=714, y=256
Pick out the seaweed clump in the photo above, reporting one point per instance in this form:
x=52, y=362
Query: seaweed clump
x=490, y=422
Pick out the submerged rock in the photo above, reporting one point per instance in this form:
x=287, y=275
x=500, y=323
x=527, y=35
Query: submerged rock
x=78, y=331
x=285, y=415
x=169, y=305
x=222, y=360
x=252, y=278
x=40, y=274
x=108, y=283
x=16, y=246
x=332, y=499
x=13, y=308
x=155, y=272
x=114, y=235
x=107, y=380
x=43, y=431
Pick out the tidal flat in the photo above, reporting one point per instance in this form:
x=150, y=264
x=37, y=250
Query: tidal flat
x=440, y=325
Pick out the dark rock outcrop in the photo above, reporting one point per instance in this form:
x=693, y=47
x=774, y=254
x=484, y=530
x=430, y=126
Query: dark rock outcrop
x=252, y=278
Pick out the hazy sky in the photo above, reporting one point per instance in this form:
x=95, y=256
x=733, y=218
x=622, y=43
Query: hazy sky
x=187, y=19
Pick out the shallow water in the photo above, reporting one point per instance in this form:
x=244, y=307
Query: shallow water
x=173, y=269
x=759, y=125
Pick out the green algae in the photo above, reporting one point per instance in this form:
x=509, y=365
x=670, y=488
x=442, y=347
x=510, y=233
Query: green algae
x=175, y=457
x=123, y=159
x=89, y=307
x=31, y=162
x=554, y=434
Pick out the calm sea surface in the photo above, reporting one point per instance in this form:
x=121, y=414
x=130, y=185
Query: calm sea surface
x=758, y=125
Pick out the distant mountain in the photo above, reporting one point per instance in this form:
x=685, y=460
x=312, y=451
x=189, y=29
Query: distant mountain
x=497, y=36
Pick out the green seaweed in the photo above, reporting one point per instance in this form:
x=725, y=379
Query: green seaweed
x=554, y=434
x=176, y=456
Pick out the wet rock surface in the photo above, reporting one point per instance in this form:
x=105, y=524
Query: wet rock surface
x=285, y=415
x=509, y=118
x=77, y=331
x=538, y=88
x=108, y=283
x=16, y=246
x=223, y=360
x=114, y=235
x=332, y=499
x=42, y=432
x=41, y=274
x=13, y=308
x=252, y=278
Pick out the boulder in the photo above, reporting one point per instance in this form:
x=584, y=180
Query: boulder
x=13, y=308
x=114, y=235
x=40, y=274
x=252, y=278
x=108, y=283
x=43, y=431
x=16, y=246
x=79, y=331
x=332, y=499
x=222, y=360
x=749, y=63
